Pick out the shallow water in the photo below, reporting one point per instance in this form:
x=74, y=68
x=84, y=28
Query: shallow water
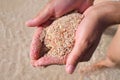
x=15, y=39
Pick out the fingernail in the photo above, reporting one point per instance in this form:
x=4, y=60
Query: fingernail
x=70, y=69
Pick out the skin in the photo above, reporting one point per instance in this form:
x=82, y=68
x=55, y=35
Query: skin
x=113, y=54
x=112, y=59
x=57, y=8
x=96, y=19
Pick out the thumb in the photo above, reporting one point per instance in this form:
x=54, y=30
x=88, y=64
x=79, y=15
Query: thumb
x=75, y=56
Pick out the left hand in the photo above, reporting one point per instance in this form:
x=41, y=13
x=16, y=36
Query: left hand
x=96, y=19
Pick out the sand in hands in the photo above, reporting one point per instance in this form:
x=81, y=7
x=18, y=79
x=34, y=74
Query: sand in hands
x=58, y=38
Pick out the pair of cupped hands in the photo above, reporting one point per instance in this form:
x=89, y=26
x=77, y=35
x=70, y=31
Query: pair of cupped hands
x=87, y=36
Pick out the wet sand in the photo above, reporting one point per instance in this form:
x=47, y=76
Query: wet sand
x=15, y=40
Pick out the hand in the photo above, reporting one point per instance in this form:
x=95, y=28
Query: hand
x=96, y=19
x=57, y=8
x=54, y=9
x=112, y=58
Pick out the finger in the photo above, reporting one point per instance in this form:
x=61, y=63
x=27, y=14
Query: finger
x=49, y=60
x=74, y=56
x=42, y=17
x=36, y=45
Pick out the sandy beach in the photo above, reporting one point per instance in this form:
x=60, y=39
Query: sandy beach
x=15, y=40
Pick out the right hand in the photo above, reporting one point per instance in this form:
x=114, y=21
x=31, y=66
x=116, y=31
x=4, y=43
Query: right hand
x=57, y=8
